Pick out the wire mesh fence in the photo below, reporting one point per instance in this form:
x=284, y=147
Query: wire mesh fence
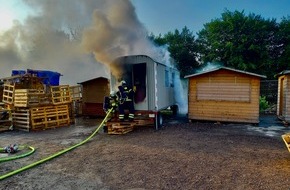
x=269, y=89
x=269, y=92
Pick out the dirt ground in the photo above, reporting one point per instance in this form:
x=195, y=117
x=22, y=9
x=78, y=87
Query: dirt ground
x=182, y=155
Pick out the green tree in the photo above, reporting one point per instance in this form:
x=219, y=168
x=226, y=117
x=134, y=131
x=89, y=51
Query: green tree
x=239, y=41
x=284, y=47
x=182, y=47
x=158, y=40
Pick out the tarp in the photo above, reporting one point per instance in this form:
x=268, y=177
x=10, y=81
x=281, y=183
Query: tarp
x=48, y=77
x=18, y=72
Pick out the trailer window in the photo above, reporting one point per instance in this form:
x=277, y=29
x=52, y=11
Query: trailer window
x=172, y=79
x=166, y=78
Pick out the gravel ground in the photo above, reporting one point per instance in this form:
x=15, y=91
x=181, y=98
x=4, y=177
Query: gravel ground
x=182, y=155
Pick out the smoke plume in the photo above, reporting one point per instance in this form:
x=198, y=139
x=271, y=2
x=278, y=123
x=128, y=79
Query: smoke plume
x=50, y=40
x=78, y=39
x=116, y=31
x=208, y=66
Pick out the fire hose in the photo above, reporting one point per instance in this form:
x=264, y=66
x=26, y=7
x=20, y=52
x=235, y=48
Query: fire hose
x=17, y=156
x=56, y=154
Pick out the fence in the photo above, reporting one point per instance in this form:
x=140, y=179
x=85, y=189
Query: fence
x=269, y=89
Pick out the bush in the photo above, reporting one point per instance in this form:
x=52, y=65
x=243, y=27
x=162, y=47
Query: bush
x=264, y=104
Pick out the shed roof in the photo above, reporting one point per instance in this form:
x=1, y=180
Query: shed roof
x=224, y=68
x=92, y=80
x=285, y=72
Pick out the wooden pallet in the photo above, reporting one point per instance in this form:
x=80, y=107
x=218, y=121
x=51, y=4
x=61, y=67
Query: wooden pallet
x=71, y=111
x=286, y=139
x=5, y=125
x=60, y=94
x=29, y=97
x=76, y=92
x=119, y=128
x=49, y=117
x=8, y=94
x=77, y=108
x=21, y=119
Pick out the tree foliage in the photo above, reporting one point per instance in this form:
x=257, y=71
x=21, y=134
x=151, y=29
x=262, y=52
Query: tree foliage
x=239, y=41
x=245, y=42
x=284, y=48
x=182, y=47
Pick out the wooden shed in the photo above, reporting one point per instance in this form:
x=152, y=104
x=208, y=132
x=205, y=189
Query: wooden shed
x=224, y=94
x=283, y=100
x=94, y=91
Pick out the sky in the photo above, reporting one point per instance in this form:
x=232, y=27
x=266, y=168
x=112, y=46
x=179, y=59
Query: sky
x=103, y=30
x=162, y=16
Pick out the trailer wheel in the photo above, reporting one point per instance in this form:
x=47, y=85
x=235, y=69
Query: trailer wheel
x=159, y=121
x=174, y=109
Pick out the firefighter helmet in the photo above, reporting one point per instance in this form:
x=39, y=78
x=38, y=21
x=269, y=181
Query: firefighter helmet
x=123, y=82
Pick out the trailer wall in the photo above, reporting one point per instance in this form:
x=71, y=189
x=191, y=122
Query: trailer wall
x=159, y=81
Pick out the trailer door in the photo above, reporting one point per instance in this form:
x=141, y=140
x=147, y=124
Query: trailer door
x=139, y=81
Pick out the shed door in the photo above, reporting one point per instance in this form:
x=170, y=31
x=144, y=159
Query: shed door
x=281, y=100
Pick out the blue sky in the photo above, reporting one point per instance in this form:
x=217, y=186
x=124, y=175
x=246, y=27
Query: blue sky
x=162, y=16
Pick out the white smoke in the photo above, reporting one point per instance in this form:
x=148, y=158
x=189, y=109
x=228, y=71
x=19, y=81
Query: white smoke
x=60, y=35
x=116, y=31
x=208, y=66
x=181, y=95
x=50, y=39
x=78, y=39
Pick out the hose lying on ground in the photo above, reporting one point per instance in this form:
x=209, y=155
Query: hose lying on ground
x=56, y=154
x=17, y=156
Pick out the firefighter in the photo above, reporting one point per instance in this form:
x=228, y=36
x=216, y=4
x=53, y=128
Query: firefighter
x=125, y=97
x=113, y=100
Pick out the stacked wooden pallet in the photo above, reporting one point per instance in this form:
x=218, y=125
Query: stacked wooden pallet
x=21, y=119
x=39, y=109
x=76, y=92
x=76, y=97
x=8, y=94
x=5, y=120
x=60, y=94
x=41, y=118
x=30, y=97
x=49, y=117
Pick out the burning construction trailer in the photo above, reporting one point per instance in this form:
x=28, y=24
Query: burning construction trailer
x=153, y=83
